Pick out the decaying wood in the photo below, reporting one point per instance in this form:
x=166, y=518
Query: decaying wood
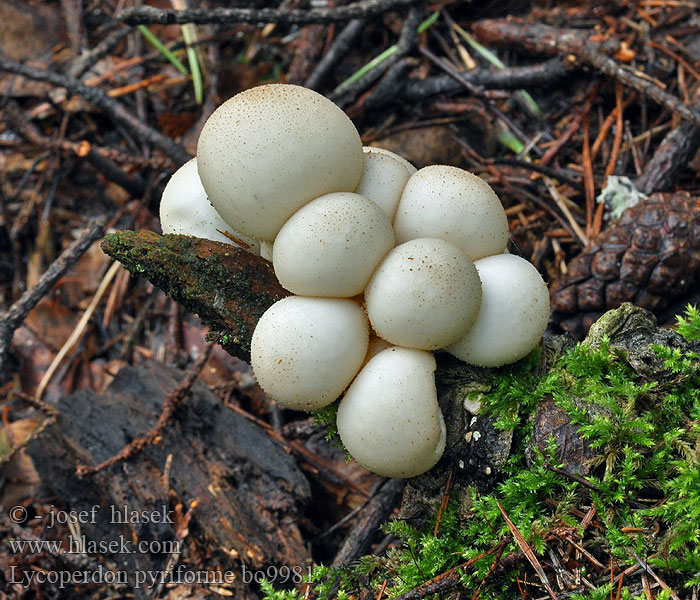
x=228, y=287
x=214, y=471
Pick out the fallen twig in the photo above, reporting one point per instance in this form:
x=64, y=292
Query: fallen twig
x=505, y=79
x=560, y=41
x=14, y=317
x=674, y=152
x=88, y=59
x=148, y=15
x=340, y=48
x=371, y=517
x=99, y=98
x=406, y=41
x=104, y=165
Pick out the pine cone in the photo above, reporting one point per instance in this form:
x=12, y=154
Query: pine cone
x=650, y=257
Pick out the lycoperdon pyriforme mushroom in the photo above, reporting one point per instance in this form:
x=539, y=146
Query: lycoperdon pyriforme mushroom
x=186, y=210
x=268, y=151
x=284, y=165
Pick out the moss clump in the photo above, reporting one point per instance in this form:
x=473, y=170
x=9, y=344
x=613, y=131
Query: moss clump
x=632, y=505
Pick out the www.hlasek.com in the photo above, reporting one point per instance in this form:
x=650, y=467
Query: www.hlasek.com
x=81, y=545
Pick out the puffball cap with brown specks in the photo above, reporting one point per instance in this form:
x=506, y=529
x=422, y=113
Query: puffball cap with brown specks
x=389, y=419
x=331, y=246
x=384, y=176
x=186, y=210
x=513, y=316
x=305, y=351
x=269, y=150
x=450, y=203
x=425, y=294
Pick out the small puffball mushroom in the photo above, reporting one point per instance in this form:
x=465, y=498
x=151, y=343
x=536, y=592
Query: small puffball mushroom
x=185, y=209
x=331, y=246
x=376, y=149
x=269, y=150
x=453, y=204
x=305, y=351
x=383, y=178
x=513, y=316
x=376, y=345
x=425, y=291
x=389, y=419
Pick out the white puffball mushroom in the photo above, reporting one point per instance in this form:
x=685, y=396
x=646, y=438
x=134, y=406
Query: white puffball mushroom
x=305, y=351
x=269, y=150
x=389, y=419
x=376, y=345
x=186, y=210
x=331, y=246
x=446, y=202
x=513, y=316
x=383, y=178
x=376, y=149
x=424, y=293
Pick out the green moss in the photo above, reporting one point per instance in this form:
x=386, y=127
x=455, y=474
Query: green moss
x=643, y=482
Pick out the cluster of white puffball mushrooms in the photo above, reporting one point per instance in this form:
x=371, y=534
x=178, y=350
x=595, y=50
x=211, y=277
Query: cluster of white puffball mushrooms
x=387, y=263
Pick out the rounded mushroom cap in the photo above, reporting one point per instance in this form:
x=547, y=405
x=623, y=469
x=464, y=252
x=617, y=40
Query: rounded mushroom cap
x=376, y=149
x=383, y=178
x=455, y=205
x=269, y=150
x=513, y=316
x=424, y=293
x=331, y=246
x=389, y=419
x=305, y=351
x=185, y=209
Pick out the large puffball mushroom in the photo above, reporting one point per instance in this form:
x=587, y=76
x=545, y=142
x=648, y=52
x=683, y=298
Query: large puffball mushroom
x=331, y=246
x=425, y=292
x=453, y=204
x=269, y=150
x=513, y=316
x=186, y=210
x=383, y=178
x=305, y=351
x=389, y=419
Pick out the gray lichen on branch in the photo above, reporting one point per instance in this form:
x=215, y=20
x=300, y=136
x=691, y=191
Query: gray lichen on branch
x=228, y=287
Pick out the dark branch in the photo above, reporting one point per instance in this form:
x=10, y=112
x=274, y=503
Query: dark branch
x=99, y=98
x=546, y=39
x=147, y=15
x=19, y=310
x=505, y=79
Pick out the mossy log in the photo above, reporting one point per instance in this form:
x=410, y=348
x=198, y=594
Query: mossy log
x=228, y=287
